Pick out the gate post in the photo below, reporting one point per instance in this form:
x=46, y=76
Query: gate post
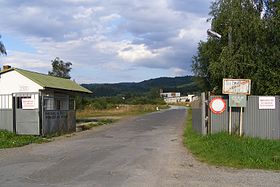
x=203, y=114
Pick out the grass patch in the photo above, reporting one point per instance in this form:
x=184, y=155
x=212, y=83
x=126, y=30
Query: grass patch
x=9, y=139
x=121, y=110
x=229, y=150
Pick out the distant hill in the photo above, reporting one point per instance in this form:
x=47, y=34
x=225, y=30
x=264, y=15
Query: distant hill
x=185, y=85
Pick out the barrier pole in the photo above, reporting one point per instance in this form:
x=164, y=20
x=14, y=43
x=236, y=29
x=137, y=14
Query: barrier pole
x=229, y=125
x=241, y=121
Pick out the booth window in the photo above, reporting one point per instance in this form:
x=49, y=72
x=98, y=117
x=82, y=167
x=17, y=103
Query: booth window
x=71, y=103
x=61, y=104
x=56, y=103
x=48, y=103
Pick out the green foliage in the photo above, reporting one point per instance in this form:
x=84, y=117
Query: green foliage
x=60, y=68
x=9, y=139
x=233, y=151
x=81, y=102
x=104, y=103
x=249, y=46
x=2, y=48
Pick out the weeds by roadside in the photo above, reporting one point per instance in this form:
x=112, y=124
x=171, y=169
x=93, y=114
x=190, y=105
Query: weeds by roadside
x=9, y=139
x=228, y=150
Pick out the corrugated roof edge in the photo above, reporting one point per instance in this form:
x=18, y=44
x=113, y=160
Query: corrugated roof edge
x=78, y=88
x=5, y=71
x=26, y=73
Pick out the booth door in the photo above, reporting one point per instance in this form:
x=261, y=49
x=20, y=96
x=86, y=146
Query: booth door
x=26, y=112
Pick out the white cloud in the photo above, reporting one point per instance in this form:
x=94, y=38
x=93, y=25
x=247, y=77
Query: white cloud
x=133, y=53
x=114, y=36
x=175, y=72
x=25, y=60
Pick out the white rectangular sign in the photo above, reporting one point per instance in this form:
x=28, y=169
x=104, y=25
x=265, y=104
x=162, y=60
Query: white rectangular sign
x=237, y=86
x=28, y=103
x=266, y=102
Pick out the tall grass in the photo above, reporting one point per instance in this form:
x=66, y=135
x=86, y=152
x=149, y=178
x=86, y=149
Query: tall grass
x=233, y=151
x=120, y=110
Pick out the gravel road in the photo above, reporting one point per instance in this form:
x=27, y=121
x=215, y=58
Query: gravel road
x=138, y=151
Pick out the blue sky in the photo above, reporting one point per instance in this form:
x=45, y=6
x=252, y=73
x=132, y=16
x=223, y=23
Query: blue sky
x=107, y=41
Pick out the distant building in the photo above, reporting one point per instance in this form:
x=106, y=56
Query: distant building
x=35, y=103
x=170, y=94
x=175, y=97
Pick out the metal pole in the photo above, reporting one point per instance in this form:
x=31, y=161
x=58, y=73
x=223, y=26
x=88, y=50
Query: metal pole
x=241, y=121
x=229, y=128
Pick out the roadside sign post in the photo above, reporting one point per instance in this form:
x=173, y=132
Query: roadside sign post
x=238, y=89
x=241, y=122
x=229, y=125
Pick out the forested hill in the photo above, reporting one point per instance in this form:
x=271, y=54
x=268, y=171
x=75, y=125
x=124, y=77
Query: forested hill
x=185, y=85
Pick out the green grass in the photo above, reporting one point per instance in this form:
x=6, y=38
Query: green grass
x=233, y=151
x=9, y=139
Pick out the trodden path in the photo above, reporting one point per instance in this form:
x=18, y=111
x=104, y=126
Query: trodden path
x=139, y=151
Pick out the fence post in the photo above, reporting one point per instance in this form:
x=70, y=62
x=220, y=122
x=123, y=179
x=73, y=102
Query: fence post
x=203, y=114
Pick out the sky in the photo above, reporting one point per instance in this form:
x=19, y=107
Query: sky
x=107, y=41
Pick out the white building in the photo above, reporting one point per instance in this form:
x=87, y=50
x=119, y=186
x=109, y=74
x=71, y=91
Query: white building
x=35, y=103
x=175, y=97
x=170, y=94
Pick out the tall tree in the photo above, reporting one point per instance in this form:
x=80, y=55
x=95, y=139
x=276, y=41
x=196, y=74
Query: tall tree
x=60, y=68
x=2, y=48
x=269, y=68
x=245, y=45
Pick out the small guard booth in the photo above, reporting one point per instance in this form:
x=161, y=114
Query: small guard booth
x=37, y=104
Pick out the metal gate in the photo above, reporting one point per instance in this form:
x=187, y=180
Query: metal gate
x=26, y=113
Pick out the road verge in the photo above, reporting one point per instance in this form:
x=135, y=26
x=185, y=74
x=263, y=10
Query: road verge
x=222, y=149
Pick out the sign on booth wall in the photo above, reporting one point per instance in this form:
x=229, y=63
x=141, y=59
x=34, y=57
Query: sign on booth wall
x=28, y=103
x=266, y=102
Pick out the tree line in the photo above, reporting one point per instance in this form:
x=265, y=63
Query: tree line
x=249, y=46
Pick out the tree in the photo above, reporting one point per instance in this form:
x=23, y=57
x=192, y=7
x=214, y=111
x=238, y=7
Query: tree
x=2, y=48
x=60, y=68
x=269, y=68
x=248, y=48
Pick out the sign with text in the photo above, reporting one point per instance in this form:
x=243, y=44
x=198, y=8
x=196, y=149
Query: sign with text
x=237, y=100
x=55, y=115
x=237, y=86
x=28, y=103
x=266, y=102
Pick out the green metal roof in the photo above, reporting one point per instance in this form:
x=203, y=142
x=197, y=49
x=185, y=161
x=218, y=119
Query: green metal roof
x=48, y=81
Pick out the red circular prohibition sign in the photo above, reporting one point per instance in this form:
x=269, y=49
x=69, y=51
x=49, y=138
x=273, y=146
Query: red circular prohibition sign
x=217, y=105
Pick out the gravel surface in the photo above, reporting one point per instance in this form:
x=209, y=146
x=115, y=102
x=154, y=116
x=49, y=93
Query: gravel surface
x=139, y=151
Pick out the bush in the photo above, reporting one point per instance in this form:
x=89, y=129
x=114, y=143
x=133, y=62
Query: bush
x=104, y=103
